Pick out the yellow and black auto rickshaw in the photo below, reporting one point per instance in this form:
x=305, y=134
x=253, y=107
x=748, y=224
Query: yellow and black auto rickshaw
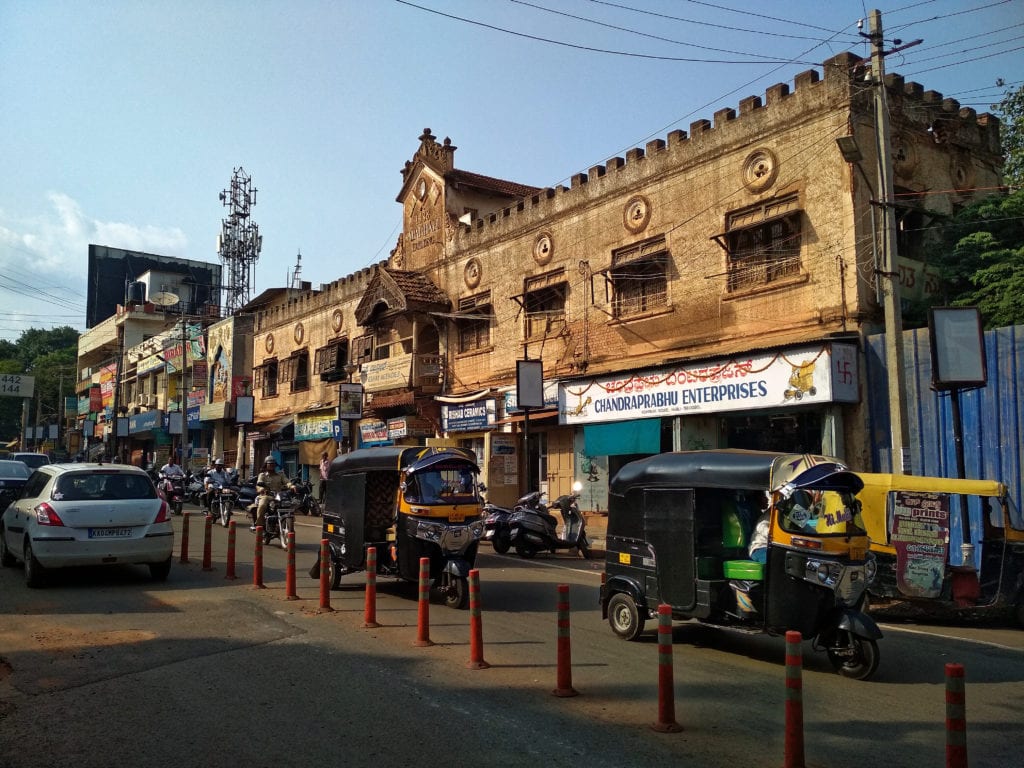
x=680, y=529
x=915, y=524
x=408, y=503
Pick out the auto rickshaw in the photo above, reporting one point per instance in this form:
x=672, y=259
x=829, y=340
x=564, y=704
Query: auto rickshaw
x=408, y=502
x=915, y=524
x=679, y=528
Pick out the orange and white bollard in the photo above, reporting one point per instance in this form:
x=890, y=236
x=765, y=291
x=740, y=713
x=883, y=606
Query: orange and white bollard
x=208, y=545
x=325, y=577
x=476, y=632
x=229, y=569
x=666, y=683
x=423, y=614
x=794, y=744
x=370, y=609
x=956, y=717
x=184, y=537
x=564, y=675
x=257, y=560
x=289, y=571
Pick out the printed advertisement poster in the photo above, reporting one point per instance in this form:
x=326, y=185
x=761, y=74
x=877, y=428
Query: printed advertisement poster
x=920, y=534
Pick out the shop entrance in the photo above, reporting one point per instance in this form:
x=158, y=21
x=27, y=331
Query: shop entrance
x=787, y=432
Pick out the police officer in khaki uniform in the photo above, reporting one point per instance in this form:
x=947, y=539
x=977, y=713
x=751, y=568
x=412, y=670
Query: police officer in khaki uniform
x=268, y=483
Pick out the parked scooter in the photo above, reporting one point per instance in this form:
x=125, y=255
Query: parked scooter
x=534, y=528
x=305, y=501
x=497, y=528
x=173, y=490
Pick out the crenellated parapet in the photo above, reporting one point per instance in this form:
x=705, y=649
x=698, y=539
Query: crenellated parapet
x=300, y=305
x=841, y=85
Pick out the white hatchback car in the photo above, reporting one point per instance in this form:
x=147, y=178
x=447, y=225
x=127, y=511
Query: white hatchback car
x=87, y=514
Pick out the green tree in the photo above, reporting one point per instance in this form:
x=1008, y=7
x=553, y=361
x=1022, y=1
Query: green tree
x=50, y=357
x=1011, y=116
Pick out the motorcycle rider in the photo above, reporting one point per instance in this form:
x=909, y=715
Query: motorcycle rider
x=269, y=482
x=172, y=469
x=216, y=477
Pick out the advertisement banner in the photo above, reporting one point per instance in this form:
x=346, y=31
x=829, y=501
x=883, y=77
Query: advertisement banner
x=108, y=374
x=350, y=401
x=801, y=376
x=95, y=399
x=382, y=375
x=920, y=534
x=373, y=432
x=173, y=355
x=314, y=426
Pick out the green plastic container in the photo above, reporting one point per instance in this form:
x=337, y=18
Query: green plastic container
x=743, y=569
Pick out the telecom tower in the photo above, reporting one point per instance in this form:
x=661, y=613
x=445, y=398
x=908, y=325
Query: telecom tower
x=239, y=242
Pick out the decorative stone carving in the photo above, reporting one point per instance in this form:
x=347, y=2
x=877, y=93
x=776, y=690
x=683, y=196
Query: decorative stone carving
x=904, y=157
x=543, y=248
x=637, y=214
x=268, y=343
x=760, y=169
x=473, y=272
x=299, y=333
x=336, y=320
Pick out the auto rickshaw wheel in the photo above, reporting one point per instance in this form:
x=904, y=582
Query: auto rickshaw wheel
x=862, y=664
x=333, y=572
x=501, y=543
x=525, y=551
x=455, y=592
x=624, y=617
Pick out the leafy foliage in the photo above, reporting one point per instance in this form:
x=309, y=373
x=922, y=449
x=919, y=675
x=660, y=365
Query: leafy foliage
x=50, y=356
x=1011, y=116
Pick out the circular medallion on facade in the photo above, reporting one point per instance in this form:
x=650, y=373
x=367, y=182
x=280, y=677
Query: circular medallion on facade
x=637, y=213
x=962, y=173
x=421, y=189
x=543, y=248
x=473, y=272
x=904, y=157
x=299, y=333
x=336, y=320
x=268, y=343
x=760, y=170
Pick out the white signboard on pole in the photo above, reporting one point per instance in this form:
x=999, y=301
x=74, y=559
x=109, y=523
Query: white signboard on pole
x=17, y=385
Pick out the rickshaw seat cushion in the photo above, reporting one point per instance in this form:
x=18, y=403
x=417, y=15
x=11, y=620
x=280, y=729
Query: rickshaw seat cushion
x=748, y=570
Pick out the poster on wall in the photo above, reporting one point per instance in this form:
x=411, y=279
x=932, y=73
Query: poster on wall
x=920, y=534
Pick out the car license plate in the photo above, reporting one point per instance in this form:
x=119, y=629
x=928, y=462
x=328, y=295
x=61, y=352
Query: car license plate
x=109, y=533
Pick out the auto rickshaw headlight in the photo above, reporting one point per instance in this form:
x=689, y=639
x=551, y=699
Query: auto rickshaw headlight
x=870, y=567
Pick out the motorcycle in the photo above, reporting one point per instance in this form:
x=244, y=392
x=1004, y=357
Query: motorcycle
x=173, y=490
x=280, y=518
x=194, y=489
x=305, y=501
x=224, y=497
x=533, y=528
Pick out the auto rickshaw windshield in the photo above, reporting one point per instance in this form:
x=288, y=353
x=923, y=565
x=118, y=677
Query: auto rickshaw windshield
x=442, y=485
x=821, y=513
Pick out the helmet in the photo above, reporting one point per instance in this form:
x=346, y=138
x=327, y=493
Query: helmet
x=269, y=460
x=218, y=462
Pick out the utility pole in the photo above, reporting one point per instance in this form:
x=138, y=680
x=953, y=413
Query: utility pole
x=889, y=272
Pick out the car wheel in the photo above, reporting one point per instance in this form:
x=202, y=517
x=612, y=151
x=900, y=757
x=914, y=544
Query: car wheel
x=501, y=543
x=35, y=574
x=859, y=665
x=624, y=617
x=7, y=559
x=160, y=571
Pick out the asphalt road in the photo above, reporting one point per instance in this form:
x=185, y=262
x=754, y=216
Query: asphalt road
x=105, y=668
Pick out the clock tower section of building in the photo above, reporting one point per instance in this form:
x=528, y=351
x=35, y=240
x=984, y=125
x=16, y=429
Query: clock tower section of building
x=426, y=222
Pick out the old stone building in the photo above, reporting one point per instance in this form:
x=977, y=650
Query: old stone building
x=710, y=289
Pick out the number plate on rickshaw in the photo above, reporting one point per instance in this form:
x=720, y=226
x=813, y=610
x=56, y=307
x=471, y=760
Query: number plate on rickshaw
x=624, y=558
x=456, y=517
x=858, y=553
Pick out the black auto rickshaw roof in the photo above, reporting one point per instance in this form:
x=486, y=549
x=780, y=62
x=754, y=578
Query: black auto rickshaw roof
x=398, y=457
x=728, y=468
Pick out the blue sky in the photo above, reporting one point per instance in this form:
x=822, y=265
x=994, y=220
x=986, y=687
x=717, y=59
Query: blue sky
x=123, y=121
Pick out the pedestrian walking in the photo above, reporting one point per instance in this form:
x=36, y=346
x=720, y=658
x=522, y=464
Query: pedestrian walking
x=325, y=468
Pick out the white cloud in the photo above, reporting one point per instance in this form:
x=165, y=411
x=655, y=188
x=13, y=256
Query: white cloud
x=43, y=258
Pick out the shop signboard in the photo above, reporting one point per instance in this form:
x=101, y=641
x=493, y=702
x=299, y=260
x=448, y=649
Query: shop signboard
x=798, y=376
x=373, y=432
x=315, y=425
x=145, y=421
x=467, y=417
x=920, y=534
x=550, y=398
x=409, y=426
x=390, y=373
